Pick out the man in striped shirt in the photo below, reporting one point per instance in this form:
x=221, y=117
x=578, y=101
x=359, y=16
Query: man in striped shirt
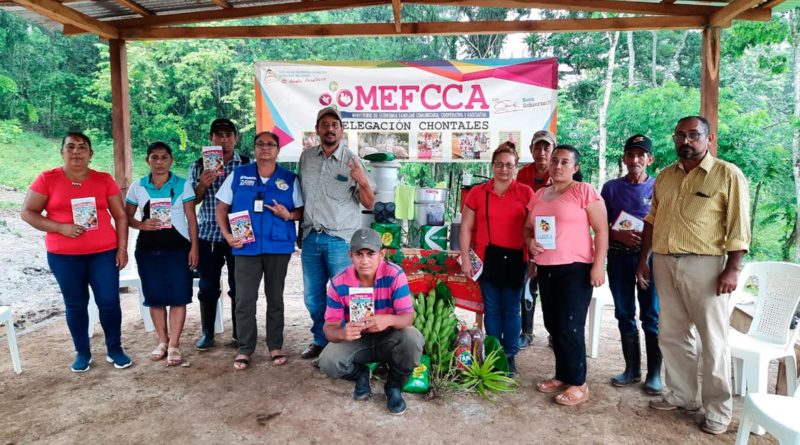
x=384, y=335
x=699, y=230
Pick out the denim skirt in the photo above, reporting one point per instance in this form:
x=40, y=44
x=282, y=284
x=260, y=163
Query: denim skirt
x=166, y=278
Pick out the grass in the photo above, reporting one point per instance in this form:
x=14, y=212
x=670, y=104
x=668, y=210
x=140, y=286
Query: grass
x=28, y=154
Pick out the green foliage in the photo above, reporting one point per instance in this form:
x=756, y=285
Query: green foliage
x=484, y=378
x=10, y=131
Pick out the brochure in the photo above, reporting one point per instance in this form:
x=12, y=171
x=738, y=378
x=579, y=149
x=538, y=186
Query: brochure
x=212, y=159
x=361, y=303
x=477, y=264
x=241, y=226
x=626, y=221
x=545, y=231
x=161, y=212
x=84, y=212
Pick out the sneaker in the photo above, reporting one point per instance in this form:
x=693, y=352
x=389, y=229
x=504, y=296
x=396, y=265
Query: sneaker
x=119, y=359
x=663, y=405
x=312, y=351
x=713, y=427
x=362, y=391
x=81, y=363
x=525, y=340
x=395, y=402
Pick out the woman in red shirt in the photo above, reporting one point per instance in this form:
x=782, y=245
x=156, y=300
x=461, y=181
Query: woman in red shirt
x=495, y=213
x=83, y=248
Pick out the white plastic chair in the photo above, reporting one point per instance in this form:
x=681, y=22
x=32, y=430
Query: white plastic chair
x=769, y=336
x=7, y=317
x=601, y=297
x=777, y=414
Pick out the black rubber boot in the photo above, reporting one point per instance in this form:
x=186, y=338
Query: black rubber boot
x=208, y=314
x=527, y=310
x=395, y=379
x=362, y=390
x=652, y=384
x=633, y=361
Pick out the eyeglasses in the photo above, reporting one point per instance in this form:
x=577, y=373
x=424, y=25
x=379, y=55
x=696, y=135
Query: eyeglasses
x=76, y=148
x=691, y=136
x=264, y=145
x=508, y=165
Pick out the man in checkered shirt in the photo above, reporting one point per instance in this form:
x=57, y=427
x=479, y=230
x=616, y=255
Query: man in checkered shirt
x=214, y=251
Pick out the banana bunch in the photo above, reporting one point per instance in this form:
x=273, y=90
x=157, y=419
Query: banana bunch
x=434, y=317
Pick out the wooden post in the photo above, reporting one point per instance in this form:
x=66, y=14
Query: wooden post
x=120, y=112
x=709, y=86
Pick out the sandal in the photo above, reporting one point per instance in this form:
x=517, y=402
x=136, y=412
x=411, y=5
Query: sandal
x=550, y=385
x=242, y=362
x=573, y=395
x=278, y=358
x=174, y=357
x=159, y=352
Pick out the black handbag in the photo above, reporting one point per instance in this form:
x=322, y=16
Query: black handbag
x=502, y=267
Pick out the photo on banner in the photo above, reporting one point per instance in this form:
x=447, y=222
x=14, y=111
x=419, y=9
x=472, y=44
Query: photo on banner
x=430, y=111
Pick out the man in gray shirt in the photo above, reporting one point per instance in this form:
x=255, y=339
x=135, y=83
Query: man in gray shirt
x=334, y=183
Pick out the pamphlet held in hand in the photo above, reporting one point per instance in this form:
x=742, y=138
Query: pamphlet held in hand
x=84, y=212
x=545, y=231
x=212, y=159
x=477, y=264
x=626, y=221
x=241, y=226
x=362, y=303
x=161, y=212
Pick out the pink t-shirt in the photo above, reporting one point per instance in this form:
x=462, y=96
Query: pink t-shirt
x=573, y=239
x=60, y=192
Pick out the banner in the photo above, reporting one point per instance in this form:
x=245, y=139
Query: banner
x=430, y=111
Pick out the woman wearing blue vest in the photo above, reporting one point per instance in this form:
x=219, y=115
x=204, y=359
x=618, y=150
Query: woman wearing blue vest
x=270, y=196
x=166, y=249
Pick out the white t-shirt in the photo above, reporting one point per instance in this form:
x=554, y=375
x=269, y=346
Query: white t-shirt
x=139, y=196
x=225, y=192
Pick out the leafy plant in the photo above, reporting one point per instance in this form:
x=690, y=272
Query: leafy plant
x=485, y=378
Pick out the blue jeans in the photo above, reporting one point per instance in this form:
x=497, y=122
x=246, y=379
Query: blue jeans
x=622, y=282
x=501, y=315
x=74, y=274
x=323, y=256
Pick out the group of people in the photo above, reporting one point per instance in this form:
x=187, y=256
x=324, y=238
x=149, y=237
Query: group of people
x=675, y=243
x=541, y=223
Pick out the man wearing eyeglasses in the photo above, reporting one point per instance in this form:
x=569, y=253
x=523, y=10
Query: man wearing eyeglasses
x=699, y=230
x=334, y=185
x=213, y=249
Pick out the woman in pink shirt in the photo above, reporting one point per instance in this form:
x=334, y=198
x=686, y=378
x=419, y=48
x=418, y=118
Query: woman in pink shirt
x=568, y=262
x=83, y=248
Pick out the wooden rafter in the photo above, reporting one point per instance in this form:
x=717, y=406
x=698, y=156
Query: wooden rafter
x=397, y=9
x=631, y=7
x=135, y=7
x=222, y=4
x=424, y=28
x=771, y=4
x=723, y=16
x=66, y=15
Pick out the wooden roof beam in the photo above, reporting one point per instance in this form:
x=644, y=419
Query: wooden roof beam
x=222, y=4
x=397, y=9
x=619, y=6
x=424, y=28
x=723, y=16
x=68, y=16
x=135, y=7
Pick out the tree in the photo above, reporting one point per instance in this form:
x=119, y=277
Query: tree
x=613, y=39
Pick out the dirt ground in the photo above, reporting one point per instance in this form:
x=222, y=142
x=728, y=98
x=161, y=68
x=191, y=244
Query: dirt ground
x=210, y=402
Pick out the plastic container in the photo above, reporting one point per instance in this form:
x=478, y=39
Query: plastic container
x=429, y=214
x=455, y=236
x=385, y=175
x=426, y=195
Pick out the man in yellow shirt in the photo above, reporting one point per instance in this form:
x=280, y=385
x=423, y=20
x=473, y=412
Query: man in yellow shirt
x=698, y=229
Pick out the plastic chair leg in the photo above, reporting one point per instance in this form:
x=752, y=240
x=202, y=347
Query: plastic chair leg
x=94, y=313
x=738, y=378
x=12, y=345
x=756, y=377
x=595, y=315
x=144, y=311
x=745, y=424
x=790, y=362
x=219, y=327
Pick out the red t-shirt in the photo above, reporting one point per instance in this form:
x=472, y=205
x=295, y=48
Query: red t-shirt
x=527, y=175
x=60, y=192
x=506, y=216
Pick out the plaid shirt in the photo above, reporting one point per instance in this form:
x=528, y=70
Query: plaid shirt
x=207, y=218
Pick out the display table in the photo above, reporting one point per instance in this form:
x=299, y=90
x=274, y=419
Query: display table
x=424, y=267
